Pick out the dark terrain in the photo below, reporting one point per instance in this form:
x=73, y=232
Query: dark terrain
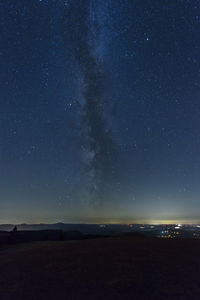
x=104, y=268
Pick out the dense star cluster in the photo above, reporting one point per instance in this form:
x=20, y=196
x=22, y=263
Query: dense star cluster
x=100, y=112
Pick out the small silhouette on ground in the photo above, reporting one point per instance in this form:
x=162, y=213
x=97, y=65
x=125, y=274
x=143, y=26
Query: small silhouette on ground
x=12, y=238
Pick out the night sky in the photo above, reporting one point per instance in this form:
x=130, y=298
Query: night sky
x=100, y=111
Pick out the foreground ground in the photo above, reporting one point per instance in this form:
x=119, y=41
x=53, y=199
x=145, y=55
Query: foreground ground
x=110, y=268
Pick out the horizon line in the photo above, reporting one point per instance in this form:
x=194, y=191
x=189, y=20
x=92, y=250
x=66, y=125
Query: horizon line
x=141, y=222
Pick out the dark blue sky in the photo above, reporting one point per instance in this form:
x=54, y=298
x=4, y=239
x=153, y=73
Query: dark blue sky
x=100, y=111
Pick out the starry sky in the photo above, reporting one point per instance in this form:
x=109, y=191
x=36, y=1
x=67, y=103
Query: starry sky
x=100, y=111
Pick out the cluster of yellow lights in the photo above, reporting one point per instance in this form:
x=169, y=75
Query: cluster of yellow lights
x=168, y=235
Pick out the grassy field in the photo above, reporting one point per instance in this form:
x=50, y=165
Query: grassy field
x=107, y=268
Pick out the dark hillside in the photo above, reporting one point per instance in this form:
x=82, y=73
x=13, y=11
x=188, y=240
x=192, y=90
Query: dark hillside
x=111, y=268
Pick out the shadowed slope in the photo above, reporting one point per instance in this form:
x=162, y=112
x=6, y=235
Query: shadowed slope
x=112, y=268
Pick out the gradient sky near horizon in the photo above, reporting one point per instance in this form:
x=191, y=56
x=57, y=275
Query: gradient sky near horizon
x=100, y=110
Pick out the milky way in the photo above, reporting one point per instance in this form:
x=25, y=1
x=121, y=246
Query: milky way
x=82, y=31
